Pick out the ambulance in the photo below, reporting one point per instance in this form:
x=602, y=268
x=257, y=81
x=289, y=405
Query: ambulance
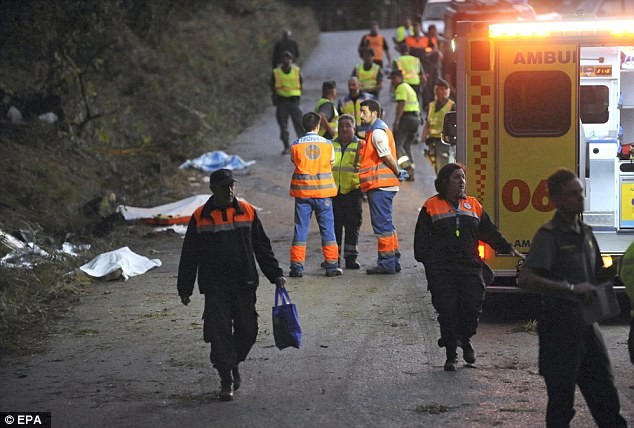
x=535, y=96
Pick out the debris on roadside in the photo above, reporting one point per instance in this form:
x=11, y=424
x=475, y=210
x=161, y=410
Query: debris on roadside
x=178, y=212
x=122, y=263
x=211, y=161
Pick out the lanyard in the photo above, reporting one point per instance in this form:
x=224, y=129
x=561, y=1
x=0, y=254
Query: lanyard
x=458, y=219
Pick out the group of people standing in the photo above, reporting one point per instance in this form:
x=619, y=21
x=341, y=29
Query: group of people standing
x=347, y=151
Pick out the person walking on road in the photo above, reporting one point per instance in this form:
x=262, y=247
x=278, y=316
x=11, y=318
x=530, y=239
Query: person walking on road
x=377, y=43
x=406, y=122
x=370, y=75
x=379, y=178
x=312, y=186
x=438, y=153
x=286, y=43
x=448, y=229
x=351, y=104
x=348, y=204
x=327, y=110
x=224, y=239
x=412, y=69
x=403, y=31
x=286, y=87
x=564, y=264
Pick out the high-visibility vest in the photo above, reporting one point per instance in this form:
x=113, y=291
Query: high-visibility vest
x=353, y=108
x=435, y=118
x=626, y=272
x=346, y=167
x=417, y=43
x=376, y=43
x=373, y=173
x=402, y=32
x=333, y=122
x=411, y=68
x=313, y=171
x=368, y=78
x=404, y=92
x=287, y=84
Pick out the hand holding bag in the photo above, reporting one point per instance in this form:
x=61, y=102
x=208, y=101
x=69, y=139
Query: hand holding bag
x=286, y=329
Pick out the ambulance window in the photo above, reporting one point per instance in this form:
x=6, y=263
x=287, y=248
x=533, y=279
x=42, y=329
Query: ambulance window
x=593, y=103
x=537, y=103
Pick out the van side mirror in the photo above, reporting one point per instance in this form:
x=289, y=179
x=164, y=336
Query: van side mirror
x=449, y=133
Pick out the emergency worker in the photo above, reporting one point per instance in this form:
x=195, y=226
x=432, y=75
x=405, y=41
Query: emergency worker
x=224, y=239
x=412, y=69
x=404, y=30
x=379, y=178
x=312, y=186
x=286, y=87
x=418, y=43
x=351, y=104
x=327, y=110
x=448, y=229
x=370, y=75
x=348, y=204
x=406, y=122
x=432, y=37
x=377, y=43
x=627, y=276
x=439, y=153
x=564, y=265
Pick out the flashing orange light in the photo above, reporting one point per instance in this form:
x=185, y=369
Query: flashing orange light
x=622, y=27
x=481, y=250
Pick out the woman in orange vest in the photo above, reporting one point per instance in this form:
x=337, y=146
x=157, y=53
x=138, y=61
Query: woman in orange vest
x=446, y=242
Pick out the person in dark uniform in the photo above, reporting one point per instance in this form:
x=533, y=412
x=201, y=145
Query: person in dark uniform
x=563, y=264
x=286, y=43
x=223, y=240
x=446, y=241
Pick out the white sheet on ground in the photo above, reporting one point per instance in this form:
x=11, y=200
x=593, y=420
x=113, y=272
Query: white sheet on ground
x=211, y=161
x=183, y=208
x=124, y=259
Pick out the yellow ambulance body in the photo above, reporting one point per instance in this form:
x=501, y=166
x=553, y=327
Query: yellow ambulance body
x=524, y=90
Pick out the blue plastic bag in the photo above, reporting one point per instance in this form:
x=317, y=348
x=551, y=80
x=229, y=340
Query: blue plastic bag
x=286, y=329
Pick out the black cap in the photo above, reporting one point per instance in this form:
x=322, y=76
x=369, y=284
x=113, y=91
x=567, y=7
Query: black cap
x=288, y=54
x=221, y=177
x=443, y=83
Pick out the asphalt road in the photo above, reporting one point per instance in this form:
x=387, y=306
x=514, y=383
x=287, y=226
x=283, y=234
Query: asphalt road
x=129, y=354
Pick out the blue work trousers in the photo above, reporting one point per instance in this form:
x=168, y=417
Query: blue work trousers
x=304, y=208
x=380, y=204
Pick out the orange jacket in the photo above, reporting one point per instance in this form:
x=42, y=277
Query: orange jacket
x=313, y=171
x=373, y=173
x=376, y=43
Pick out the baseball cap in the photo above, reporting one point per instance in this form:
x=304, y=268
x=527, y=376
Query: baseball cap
x=221, y=177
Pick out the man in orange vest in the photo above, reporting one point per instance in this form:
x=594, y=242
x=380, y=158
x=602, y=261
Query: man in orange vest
x=223, y=241
x=379, y=178
x=313, y=186
x=377, y=43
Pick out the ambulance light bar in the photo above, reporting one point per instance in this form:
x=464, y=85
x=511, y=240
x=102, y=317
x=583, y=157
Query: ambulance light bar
x=624, y=27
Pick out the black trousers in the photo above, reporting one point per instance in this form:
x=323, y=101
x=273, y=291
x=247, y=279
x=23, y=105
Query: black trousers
x=458, y=299
x=405, y=136
x=288, y=107
x=348, y=212
x=230, y=325
x=572, y=353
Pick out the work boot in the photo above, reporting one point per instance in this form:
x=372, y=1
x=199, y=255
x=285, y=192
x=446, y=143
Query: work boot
x=295, y=273
x=468, y=352
x=237, y=380
x=226, y=385
x=351, y=263
x=451, y=364
x=377, y=270
x=334, y=272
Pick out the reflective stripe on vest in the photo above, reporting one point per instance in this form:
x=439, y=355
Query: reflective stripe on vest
x=367, y=78
x=373, y=173
x=435, y=118
x=313, y=172
x=410, y=67
x=215, y=223
x=334, y=122
x=439, y=209
x=346, y=167
x=405, y=93
x=287, y=84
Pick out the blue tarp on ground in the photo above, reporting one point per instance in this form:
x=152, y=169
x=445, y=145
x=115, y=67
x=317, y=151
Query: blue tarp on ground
x=212, y=161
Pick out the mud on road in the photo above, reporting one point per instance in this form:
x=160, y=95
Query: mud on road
x=130, y=354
